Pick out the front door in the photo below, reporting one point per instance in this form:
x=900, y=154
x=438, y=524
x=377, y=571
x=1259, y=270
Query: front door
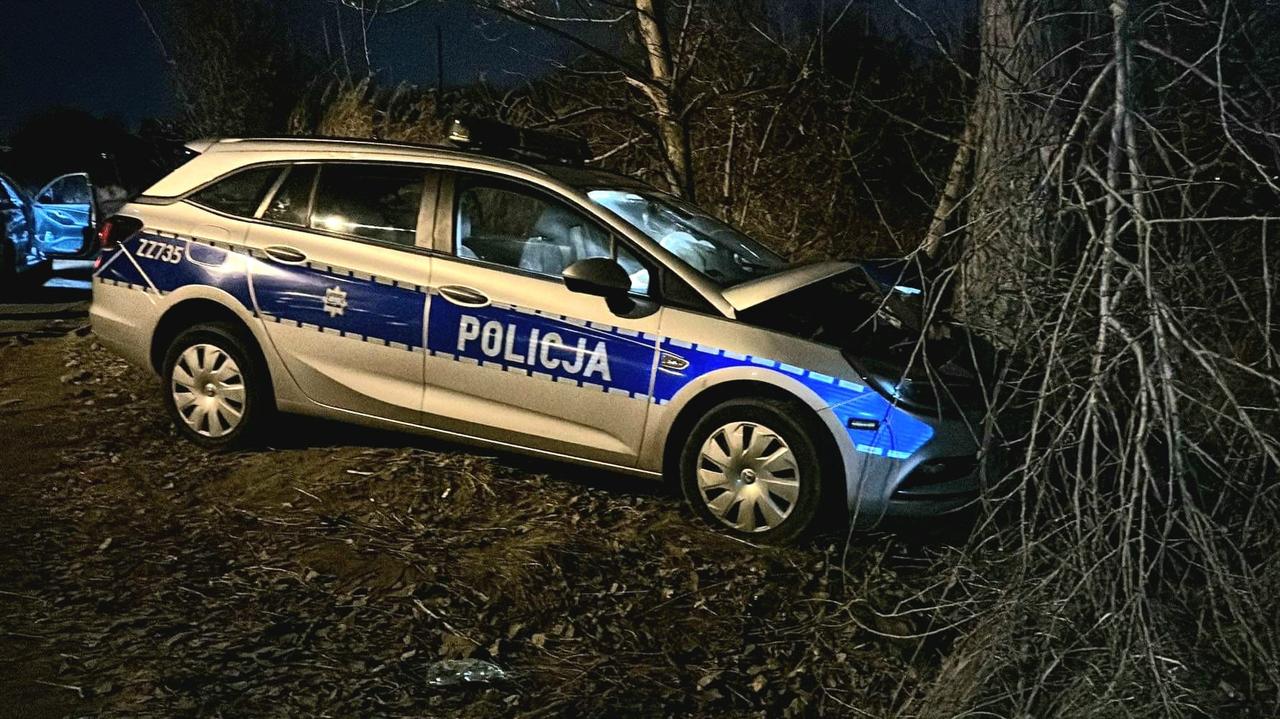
x=63, y=211
x=514, y=356
x=339, y=281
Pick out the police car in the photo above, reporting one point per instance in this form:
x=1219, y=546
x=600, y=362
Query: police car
x=501, y=293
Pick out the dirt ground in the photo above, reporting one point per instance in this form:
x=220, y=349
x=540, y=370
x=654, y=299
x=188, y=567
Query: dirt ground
x=344, y=572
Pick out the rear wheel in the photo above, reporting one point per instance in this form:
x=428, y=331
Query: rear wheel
x=752, y=468
x=215, y=388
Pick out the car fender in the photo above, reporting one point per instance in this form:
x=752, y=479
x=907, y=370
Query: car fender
x=284, y=385
x=663, y=415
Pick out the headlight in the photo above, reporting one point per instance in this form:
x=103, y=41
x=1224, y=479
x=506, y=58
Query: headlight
x=912, y=390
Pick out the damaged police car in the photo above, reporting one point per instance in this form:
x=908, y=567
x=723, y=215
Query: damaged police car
x=501, y=293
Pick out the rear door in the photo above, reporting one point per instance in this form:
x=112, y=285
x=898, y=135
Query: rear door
x=515, y=357
x=339, y=280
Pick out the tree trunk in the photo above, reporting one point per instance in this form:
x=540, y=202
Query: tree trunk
x=661, y=90
x=1016, y=127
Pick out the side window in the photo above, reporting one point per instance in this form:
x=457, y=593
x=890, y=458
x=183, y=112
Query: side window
x=377, y=202
x=69, y=190
x=291, y=204
x=639, y=274
x=507, y=225
x=239, y=194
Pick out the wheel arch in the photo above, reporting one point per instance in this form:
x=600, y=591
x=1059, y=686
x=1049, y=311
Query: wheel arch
x=193, y=311
x=696, y=406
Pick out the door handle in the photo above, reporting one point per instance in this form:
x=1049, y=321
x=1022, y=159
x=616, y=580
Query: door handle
x=285, y=254
x=464, y=296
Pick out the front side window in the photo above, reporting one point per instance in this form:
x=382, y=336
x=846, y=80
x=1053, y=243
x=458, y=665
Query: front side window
x=375, y=202
x=69, y=190
x=709, y=246
x=509, y=226
x=241, y=193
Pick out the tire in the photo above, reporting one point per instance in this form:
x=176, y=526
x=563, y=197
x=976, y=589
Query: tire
x=781, y=480
x=215, y=386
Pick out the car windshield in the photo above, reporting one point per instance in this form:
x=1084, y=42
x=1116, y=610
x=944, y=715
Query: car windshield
x=711, y=247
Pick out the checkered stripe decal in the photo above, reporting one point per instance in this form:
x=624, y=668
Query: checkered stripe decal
x=518, y=314
x=631, y=354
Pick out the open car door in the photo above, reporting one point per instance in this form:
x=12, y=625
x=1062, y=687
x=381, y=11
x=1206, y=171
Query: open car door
x=64, y=217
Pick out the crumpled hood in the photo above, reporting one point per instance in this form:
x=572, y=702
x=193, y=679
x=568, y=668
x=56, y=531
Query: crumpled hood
x=879, y=316
x=755, y=292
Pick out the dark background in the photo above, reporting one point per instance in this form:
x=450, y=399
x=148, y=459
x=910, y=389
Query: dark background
x=100, y=56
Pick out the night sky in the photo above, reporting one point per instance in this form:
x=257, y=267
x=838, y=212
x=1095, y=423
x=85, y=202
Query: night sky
x=99, y=56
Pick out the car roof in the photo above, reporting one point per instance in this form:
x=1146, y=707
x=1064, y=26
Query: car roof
x=589, y=177
x=568, y=173
x=214, y=158
x=318, y=143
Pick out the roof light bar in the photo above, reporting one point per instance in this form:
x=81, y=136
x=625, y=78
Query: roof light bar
x=499, y=138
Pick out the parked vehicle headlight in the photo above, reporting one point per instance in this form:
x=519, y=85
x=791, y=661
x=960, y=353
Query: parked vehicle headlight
x=913, y=390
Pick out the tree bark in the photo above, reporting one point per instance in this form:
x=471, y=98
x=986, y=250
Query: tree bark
x=952, y=191
x=662, y=93
x=1017, y=123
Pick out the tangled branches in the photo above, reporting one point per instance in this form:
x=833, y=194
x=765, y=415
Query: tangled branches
x=1128, y=562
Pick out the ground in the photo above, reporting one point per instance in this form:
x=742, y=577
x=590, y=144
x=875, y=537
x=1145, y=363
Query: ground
x=345, y=572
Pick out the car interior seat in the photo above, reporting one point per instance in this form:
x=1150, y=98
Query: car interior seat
x=558, y=240
x=464, y=234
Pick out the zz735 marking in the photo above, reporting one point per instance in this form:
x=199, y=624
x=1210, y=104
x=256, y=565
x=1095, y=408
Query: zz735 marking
x=162, y=251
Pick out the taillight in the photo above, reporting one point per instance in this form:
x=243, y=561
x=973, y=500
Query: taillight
x=114, y=231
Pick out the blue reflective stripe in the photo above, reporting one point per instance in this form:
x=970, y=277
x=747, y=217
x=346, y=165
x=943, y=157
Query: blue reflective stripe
x=535, y=343
x=369, y=308
x=198, y=264
x=899, y=434
x=543, y=345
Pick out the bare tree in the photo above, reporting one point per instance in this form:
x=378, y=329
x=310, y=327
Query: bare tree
x=234, y=64
x=1119, y=239
x=632, y=39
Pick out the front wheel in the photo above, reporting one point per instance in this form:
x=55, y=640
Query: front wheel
x=214, y=389
x=752, y=468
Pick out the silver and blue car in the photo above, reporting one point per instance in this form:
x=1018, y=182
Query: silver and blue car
x=503, y=294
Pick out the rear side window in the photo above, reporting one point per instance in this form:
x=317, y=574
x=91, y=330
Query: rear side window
x=376, y=202
x=291, y=204
x=240, y=194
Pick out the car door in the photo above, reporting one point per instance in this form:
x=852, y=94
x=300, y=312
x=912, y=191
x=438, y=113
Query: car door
x=514, y=356
x=339, y=281
x=63, y=211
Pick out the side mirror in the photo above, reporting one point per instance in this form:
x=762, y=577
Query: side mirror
x=598, y=276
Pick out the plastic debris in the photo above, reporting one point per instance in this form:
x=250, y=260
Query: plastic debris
x=450, y=672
